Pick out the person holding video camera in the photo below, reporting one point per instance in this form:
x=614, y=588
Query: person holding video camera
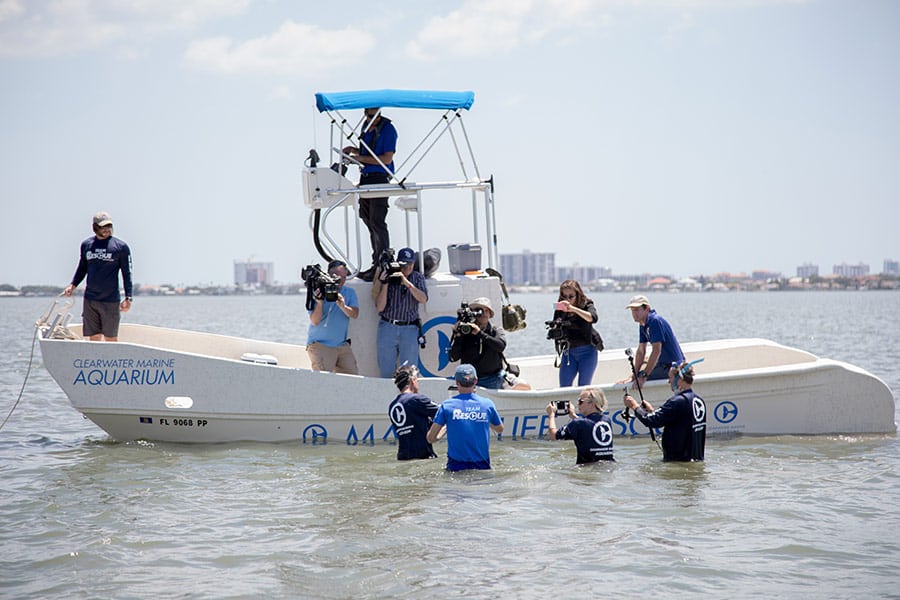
x=572, y=329
x=327, y=343
x=477, y=342
x=411, y=414
x=398, y=292
x=592, y=431
x=683, y=416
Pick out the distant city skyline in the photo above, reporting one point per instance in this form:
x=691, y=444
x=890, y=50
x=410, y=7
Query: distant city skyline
x=679, y=137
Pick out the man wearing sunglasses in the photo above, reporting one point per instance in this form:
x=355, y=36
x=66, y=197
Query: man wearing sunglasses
x=683, y=416
x=592, y=431
x=101, y=257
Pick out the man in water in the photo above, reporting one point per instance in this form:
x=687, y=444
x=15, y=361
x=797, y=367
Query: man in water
x=378, y=143
x=683, y=416
x=656, y=331
x=592, y=432
x=101, y=257
x=469, y=420
x=412, y=414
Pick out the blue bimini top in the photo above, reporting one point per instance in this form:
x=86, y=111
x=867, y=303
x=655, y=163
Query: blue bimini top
x=395, y=99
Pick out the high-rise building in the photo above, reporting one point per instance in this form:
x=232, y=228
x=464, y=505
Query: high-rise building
x=845, y=270
x=807, y=270
x=529, y=268
x=891, y=267
x=251, y=273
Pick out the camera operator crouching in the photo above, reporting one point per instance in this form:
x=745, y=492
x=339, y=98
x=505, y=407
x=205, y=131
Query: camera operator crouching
x=477, y=342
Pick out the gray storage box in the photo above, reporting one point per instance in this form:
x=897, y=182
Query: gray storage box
x=464, y=257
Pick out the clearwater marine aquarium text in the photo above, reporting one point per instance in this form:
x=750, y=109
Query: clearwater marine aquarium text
x=124, y=371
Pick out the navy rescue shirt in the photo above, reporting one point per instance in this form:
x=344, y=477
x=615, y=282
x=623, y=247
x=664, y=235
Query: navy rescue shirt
x=593, y=437
x=101, y=261
x=411, y=415
x=683, y=417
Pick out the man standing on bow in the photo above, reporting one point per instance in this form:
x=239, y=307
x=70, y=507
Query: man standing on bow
x=101, y=258
x=378, y=143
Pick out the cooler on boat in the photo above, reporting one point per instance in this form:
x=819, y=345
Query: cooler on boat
x=464, y=257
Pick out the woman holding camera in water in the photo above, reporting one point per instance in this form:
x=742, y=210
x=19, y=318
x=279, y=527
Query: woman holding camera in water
x=571, y=328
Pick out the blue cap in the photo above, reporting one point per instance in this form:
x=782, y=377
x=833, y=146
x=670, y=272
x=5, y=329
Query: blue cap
x=406, y=255
x=465, y=375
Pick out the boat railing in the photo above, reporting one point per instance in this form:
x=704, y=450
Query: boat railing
x=54, y=322
x=326, y=189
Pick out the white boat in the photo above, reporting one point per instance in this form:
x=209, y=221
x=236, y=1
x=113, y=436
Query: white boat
x=171, y=385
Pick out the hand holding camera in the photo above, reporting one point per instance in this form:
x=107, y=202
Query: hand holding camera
x=465, y=319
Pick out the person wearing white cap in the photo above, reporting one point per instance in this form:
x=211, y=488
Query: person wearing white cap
x=469, y=420
x=101, y=258
x=477, y=342
x=656, y=331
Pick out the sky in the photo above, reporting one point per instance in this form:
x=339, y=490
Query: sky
x=676, y=137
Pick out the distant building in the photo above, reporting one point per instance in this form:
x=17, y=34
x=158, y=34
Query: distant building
x=582, y=273
x=529, y=268
x=807, y=270
x=845, y=270
x=253, y=273
x=760, y=275
x=891, y=267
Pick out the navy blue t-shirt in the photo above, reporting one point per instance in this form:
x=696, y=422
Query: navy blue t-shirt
x=101, y=261
x=593, y=437
x=684, y=418
x=411, y=415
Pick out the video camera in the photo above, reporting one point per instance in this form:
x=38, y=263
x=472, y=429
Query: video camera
x=389, y=266
x=317, y=280
x=465, y=316
x=556, y=329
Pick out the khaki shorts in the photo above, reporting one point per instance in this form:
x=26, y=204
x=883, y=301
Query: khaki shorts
x=100, y=317
x=328, y=358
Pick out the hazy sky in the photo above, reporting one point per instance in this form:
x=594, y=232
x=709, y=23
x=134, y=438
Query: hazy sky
x=664, y=136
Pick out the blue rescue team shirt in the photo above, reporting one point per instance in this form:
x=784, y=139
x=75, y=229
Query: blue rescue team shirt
x=468, y=418
x=411, y=415
x=593, y=437
x=656, y=330
x=101, y=261
x=332, y=329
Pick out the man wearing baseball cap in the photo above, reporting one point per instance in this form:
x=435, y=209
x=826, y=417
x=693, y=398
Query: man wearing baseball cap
x=469, y=420
x=656, y=331
x=327, y=343
x=101, y=257
x=397, y=299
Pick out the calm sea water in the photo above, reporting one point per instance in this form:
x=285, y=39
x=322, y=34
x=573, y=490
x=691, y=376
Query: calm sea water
x=801, y=517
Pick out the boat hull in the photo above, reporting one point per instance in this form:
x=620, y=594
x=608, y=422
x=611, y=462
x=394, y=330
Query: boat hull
x=169, y=385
